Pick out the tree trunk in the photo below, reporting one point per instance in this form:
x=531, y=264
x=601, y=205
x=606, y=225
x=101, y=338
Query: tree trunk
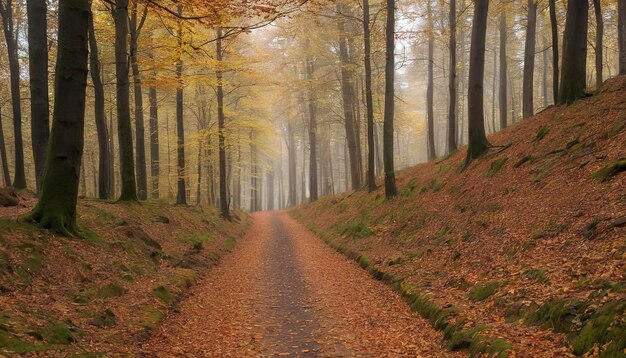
x=112, y=176
x=621, y=35
x=312, y=131
x=347, y=93
x=430, y=89
x=3, y=154
x=56, y=209
x=369, y=101
x=154, y=139
x=199, y=187
x=140, y=135
x=101, y=126
x=529, y=60
x=19, y=181
x=477, y=143
x=181, y=194
x=291, y=152
x=125, y=132
x=599, y=42
x=38, y=65
x=224, y=210
x=452, y=115
x=574, y=74
x=390, y=176
x=555, y=50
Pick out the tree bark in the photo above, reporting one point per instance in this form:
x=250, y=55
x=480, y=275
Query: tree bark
x=430, y=88
x=154, y=139
x=6, y=10
x=555, y=50
x=224, y=210
x=3, y=154
x=181, y=194
x=140, y=135
x=56, y=209
x=477, y=143
x=38, y=66
x=291, y=152
x=104, y=164
x=574, y=74
x=452, y=80
x=369, y=101
x=599, y=42
x=312, y=130
x=347, y=94
x=529, y=60
x=390, y=176
x=125, y=132
x=621, y=34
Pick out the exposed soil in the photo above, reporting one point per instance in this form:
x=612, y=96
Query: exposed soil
x=283, y=292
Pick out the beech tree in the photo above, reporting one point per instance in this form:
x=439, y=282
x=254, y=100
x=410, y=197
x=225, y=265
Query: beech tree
x=390, y=68
x=431, y=83
x=502, y=99
x=477, y=143
x=621, y=35
x=574, y=72
x=56, y=208
x=529, y=60
x=38, y=68
x=452, y=80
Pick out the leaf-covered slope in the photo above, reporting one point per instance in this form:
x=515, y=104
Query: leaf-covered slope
x=107, y=291
x=530, y=239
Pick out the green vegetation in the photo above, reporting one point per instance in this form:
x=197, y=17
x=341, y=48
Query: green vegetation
x=543, y=131
x=356, y=231
x=58, y=334
x=482, y=291
x=496, y=166
x=611, y=170
x=196, y=239
x=163, y=293
x=535, y=274
x=229, y=243
x=112, y=289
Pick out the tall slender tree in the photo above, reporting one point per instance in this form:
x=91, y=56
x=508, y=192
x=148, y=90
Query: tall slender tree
x=574, y=74
x=390, y=67
x=154, y=137
x=10, y=35
x=554, y=28
x=310, y=67
x=477, y=143
x=181, y=194
x=136, y=24
x=3, y=155
x=597, y=7
x=125, y=132
x=502, y=97
x=431, y=83
x=621, y=35
x=56, y=209
x=104, y=165
x=38, y=68
x=224, y=207
x=528, y=107
x=452, y=81
x=369, y=101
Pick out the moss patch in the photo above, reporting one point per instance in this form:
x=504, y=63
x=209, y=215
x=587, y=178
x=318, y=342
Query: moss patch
x=163, y=293
x=484, y=290
x=610, y=170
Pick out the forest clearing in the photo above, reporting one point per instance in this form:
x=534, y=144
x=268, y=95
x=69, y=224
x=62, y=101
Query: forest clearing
x=313, y=178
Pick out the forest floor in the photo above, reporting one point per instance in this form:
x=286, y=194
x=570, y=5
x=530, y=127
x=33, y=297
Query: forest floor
x=283, y=292
x=107, y=291
x=524, y=251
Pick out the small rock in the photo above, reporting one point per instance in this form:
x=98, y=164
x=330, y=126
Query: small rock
x=619, y=222
x=163, y=219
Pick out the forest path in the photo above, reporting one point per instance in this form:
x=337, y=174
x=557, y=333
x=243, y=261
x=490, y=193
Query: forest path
x=283, y=292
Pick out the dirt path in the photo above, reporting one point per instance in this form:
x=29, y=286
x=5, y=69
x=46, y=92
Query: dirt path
x=283, y=292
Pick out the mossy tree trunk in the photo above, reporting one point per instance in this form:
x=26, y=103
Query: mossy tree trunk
x=154, y=138
x=3, y=155
x=223, y=189
x=38, y=68
x=369, y=101
x=502, y=99
x=104, y=165
x=597, y=7
x=430, y=90
x=181, y=195
x=452, y=80
x=477, y=143
x=56, y=209
x=554, y=30
x=621, y=35
x=390, y=64
x=125, y=132
x=574, y=71
x=528, y=106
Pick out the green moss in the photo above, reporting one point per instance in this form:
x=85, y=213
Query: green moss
x=113, y=289
x=58, y=334
x=482, y=291
x=610, y=170
x=395, y=261
x=614, y=130
x=543, y=131
x=229, y=243
x=434, y=185
x=496, y=166
x=364, y=261
x=603, y=329
x=524, y=160
x=556, y=315
x=9, y=342
x=150, y=317
x=535, y=274
x=416, y=254
x=356, y=231
x=163, y=293
x=196, y=239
